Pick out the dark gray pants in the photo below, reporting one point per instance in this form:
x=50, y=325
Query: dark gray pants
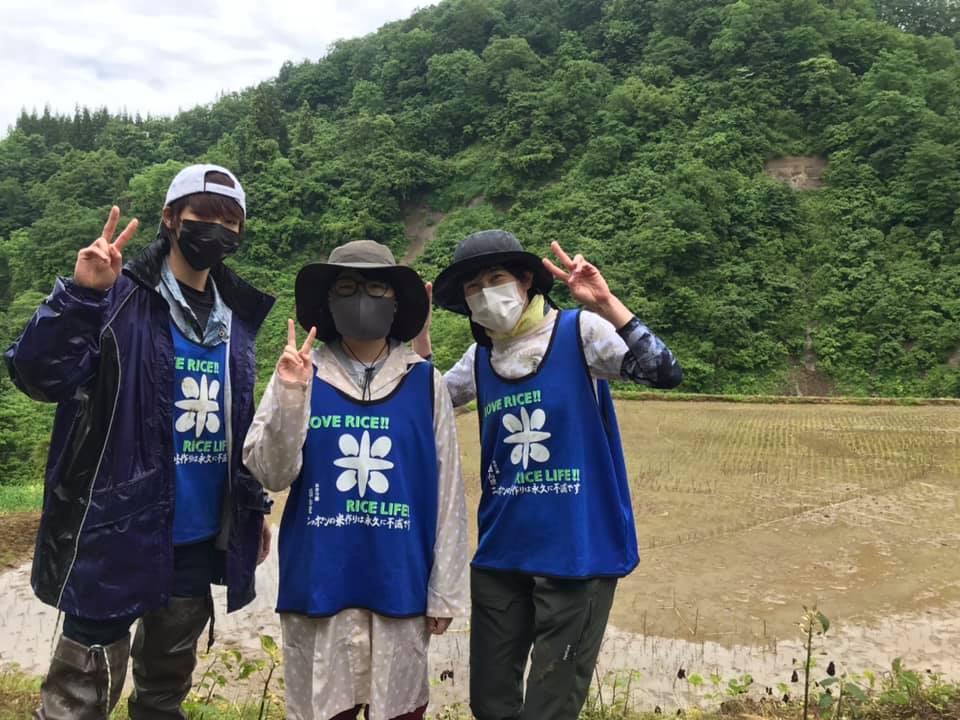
x=563, y=621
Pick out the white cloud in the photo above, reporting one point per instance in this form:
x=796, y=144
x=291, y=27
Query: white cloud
x=156, y=56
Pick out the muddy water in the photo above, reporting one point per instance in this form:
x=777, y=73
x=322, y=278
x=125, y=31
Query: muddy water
x=744, y=514
x=925, y=640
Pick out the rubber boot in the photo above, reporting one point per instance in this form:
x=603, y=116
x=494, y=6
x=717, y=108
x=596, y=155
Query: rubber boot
x=84, y=682
x=164, y=657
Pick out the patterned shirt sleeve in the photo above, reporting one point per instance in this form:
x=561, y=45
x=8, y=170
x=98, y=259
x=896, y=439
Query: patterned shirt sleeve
x=632, y=353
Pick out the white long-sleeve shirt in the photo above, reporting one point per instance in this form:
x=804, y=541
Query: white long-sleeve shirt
x=356, y=656
x=634, y=354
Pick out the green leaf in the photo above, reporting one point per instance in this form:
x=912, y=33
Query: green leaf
x=695, y=680
x=827, y=682
x=910, y=680
x=855, y=691
x=899, y=697
x=824, y=621
x=268, y=643
x=825, y=701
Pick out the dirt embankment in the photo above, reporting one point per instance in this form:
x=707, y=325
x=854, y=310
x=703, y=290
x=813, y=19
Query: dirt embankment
x=18, y=532
x=420, y=225
x=800, y=173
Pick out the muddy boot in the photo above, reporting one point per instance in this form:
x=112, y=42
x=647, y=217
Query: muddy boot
x=164, y=656
x=84, y=682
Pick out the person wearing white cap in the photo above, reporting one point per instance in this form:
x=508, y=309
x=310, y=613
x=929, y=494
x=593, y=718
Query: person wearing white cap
x=146, y=498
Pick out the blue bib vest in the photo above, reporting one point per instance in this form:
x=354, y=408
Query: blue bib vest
x=555, y=500
x=199, y=438
x=360, y=523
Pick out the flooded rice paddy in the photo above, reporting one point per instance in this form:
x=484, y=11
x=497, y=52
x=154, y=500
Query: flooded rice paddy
x=745, y=513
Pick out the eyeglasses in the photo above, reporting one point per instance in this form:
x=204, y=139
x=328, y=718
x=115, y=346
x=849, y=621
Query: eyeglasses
x=348, y=286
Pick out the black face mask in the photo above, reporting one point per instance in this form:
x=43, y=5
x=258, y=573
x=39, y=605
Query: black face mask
x=204, y=244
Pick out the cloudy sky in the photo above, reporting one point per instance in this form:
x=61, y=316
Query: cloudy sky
x=160, y=55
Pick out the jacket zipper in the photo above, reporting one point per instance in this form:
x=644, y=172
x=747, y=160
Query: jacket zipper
x=93, y=482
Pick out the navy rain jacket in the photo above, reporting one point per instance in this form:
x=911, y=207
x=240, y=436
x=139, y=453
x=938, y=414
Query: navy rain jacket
x=105, y=544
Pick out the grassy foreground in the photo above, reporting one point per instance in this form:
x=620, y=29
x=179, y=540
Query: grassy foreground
x=20, y=498
x=900, y=695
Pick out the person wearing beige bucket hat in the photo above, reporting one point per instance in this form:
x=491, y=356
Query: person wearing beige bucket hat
x=373, y=550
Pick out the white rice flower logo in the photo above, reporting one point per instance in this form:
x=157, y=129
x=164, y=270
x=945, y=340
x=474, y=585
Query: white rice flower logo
x=527, y=434
x=363, y=462
x=200, y=405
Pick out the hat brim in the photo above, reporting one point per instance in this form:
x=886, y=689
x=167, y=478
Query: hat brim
x=448, y=287
x=312, y=289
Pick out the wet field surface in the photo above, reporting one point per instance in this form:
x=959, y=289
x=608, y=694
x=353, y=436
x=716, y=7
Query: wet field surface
x=744, y=513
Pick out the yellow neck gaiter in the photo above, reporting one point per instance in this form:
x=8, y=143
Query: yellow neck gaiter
x=532, y=316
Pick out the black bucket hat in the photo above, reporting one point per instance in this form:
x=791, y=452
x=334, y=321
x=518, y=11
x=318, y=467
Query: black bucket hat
x=374, y=261
x=481, y=250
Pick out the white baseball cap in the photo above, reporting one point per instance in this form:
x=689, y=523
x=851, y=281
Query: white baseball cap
x=192, y=180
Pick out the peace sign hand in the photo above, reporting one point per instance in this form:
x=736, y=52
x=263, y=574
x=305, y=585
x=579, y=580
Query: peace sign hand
x=584, y=280
x=296, y=366
x=99, y=264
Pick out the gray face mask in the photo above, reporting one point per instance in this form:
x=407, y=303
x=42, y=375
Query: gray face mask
x=362, y=317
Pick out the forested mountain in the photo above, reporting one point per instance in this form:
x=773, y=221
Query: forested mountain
x=633, y=131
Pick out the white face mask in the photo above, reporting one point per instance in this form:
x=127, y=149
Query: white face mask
x=497, y=308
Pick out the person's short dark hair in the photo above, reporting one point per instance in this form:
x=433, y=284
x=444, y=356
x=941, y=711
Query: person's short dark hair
x=518, y=270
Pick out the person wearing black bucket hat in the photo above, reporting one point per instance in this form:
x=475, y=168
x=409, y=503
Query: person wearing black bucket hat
x=555, y=523
x=484, y=250
x=146, y=501
x=373, y=541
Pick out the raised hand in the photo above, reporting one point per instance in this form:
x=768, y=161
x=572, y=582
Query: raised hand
x=588, y=286
x=296, y=366
x=99, y=264
x=584, y=280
